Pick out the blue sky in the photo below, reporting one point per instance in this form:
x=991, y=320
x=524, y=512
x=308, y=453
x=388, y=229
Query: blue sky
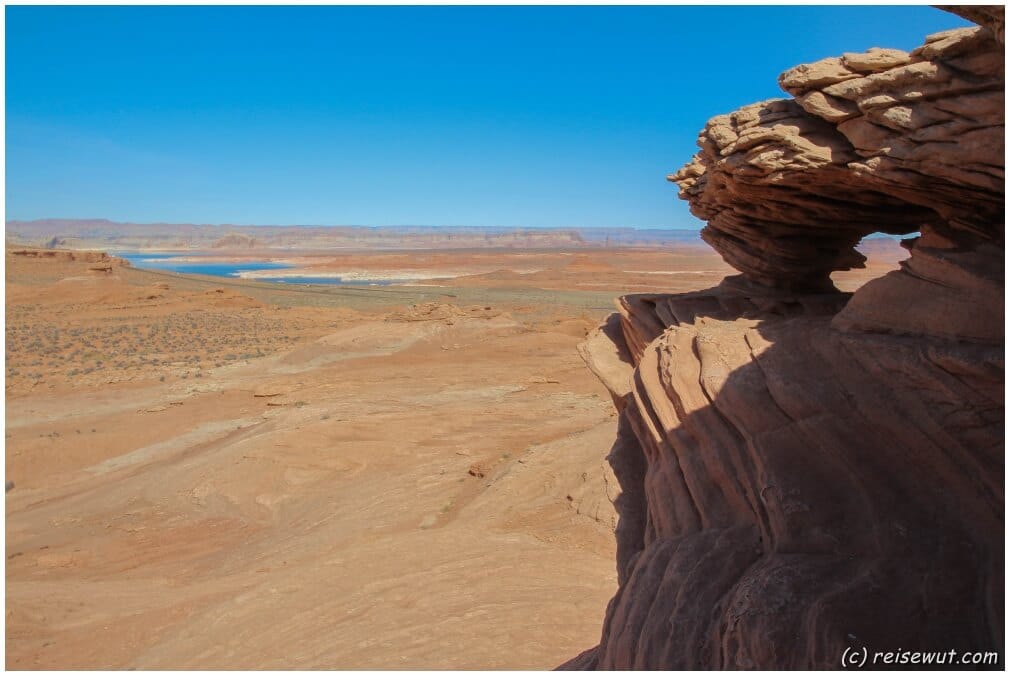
x=486, y=116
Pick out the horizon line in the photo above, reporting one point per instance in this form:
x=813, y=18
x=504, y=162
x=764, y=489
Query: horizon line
x=357, y=225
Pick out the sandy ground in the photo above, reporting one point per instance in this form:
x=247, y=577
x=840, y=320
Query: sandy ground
x=220, y=473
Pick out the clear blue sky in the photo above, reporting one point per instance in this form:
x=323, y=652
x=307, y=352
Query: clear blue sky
x=505, y=116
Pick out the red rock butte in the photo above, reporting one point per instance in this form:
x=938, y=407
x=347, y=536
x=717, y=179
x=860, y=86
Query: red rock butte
x=806, y=471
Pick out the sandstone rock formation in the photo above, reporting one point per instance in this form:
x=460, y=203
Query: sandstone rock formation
x=805, y=471
x=98, y=258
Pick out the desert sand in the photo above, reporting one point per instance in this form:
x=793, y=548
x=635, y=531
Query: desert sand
x=225, y=473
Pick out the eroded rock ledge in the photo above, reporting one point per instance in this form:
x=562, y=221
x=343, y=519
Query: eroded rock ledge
x=805, y=471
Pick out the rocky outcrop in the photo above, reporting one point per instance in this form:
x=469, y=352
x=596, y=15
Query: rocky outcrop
x=99, y=259
x=878, y=142
x=782, y=205
x=807, y=475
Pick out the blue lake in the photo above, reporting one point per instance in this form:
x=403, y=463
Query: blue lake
x=159, y=261
x=166, y=261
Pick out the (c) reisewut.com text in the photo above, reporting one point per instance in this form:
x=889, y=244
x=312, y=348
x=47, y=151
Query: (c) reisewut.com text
x=864, y=657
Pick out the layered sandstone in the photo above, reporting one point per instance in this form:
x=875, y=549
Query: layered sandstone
x=806, y=471
x=98, y=258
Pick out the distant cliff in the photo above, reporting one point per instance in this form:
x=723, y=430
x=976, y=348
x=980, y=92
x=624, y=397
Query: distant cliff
x=100, y=261
x=809, y=476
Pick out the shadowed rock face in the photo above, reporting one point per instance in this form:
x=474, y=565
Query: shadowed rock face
x=806, y=471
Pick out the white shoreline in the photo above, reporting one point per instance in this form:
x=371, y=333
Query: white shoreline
x=353, y=275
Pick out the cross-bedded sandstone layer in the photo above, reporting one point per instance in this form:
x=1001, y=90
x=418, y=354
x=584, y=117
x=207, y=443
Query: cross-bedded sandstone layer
x=884, y=141
x=806, y=471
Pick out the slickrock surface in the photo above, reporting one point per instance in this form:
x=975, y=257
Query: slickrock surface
x=203, y=479
x=802, y=470
x=210, y=472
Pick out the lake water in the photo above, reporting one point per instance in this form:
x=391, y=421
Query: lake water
x=159, y=261
x=166, y=261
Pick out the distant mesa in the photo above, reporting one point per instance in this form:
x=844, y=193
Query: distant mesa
x=236, y=240
x=109, y=235
x=100, y=261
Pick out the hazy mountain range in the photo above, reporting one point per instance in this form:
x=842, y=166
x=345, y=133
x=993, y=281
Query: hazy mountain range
x=105, y=234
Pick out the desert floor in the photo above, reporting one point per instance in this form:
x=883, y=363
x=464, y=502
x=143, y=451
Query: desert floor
x=218, y=473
